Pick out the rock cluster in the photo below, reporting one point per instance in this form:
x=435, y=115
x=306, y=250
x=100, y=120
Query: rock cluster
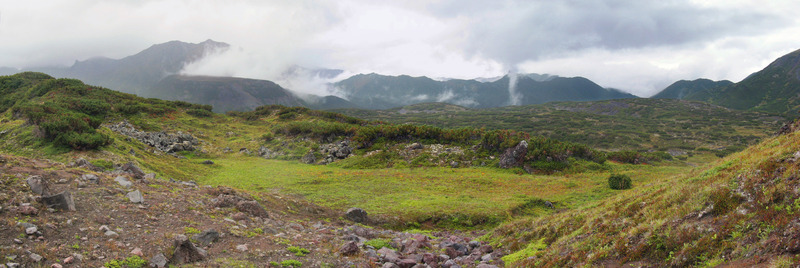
x=335, y=151
x=163, y=141
x=513, y=157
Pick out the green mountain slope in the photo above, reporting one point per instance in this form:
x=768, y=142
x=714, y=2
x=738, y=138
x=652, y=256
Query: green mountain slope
x=681, y=89
x=775, y=89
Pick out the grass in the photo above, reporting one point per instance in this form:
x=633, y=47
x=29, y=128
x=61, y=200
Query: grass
x=469, y=196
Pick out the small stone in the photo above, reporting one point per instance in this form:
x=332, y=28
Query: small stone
x=124, y=182
x=28, y=210
x=158, y=260
x=31, y=230
x=56, y=265
x=350, y=248
x=186, y=251
x=12, y=265
x=389, y=265
x=36, y=257
x=62, y=201
x=104, y=228
x=241, y=248
x=17, y=241
x=239, y=216
x=135, y=197
x=208, y=162
x=137, y=252
x=38, y=185
x=90, y=178
x=207, y=237
x=69, y=260
x=356, y=214
x=111, y=233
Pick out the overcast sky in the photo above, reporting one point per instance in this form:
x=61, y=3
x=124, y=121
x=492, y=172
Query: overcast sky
x=637, y=46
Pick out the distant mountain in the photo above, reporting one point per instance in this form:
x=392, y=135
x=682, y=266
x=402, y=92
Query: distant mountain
x=683, y=88
x=374, y=91
x=137, y=73
x=224, y=93
x=8, y=70
x=774, y=89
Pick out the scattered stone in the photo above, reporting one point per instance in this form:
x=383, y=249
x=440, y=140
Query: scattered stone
x=38, y=185
x=86, y=164
x=150, y=176
x=241, y=248
x=350, y=248
x=244, y=151
x=90, y=178
x=186, y=251
x=31, y=230
x=514, y=156
x=162, y=141
x=137, y=252
x=104, y=228
x=415, y=146
x=207, y=237
x=134, y=170
x=389, y=255
x=36, y=257
x=68, y=260
x=356, y=215
x=159, y=260
x=17, y=241
x=56, y=265
x=239, y=216
x=208, y=162
x=309, y=158
x=406, y=263
x=486, y=249
x=483, y=265
x=124, y=182
x=335, y=151
x=252, y=208
x=111, y=233
x=135, y=197
x=62, y=201
x=390, y=265
x=12, y=265
x=27, y=209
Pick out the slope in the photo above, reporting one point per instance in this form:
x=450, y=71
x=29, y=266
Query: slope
x=683, y=88
x=739, y=211
x=775, y=89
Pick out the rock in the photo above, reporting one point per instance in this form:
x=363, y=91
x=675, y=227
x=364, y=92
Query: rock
x=12, y=265
x=309, y=158
x=430, y=259
x=456, y=250
x=36, y=257
x=239, y=216
x=350, y=248
x=244, y=151
x=31, y=230
x=356, y=215
x=134, y=170
x=208, y=162
x=38, y=185
x=548, y=204
x=104, y=228
x=406, y=263
x=486, y=249
x=135, y=197
x=27, y=209
x=110, y=233
x=68, y=260
x=87, y=165
x=474, y=244
x=124, y=182
x=335, y=151
x=514, y=156
x=252, y=208
x=449, y=264
x=90, y=178
x=17, y=241
x=486, y=257
x=56, y=265
x=150, y=176
x=483, y=265
x=241, y=248
x=389, y=255
x=186, y=252
x=62, y=201
x=206, y=237
x=137, y=252
x=415, y=146
x=390, y=265
x=159, y=260
x=162, y=141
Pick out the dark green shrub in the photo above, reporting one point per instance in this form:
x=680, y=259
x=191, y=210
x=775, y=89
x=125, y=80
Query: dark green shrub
x=199, y=112
x=619, y=182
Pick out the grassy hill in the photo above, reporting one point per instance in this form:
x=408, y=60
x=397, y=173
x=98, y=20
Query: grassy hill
x=409, y=177
x=681, y=89
x=628, y=124
x=774, y=89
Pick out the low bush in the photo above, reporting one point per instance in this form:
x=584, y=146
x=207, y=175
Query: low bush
x=619, y=182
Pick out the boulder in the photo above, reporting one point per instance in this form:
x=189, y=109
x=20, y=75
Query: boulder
x=136, y=197
x=356, y=214
x=87, y=165
x=309, y=158
x=38, y=185
x=62, y=201
x=159, y=261
x=90, y=178
x=134, y=170
x=514, y=156
x=208, y=162
x=350, y=248
x=186, y=252
x=206, y=237
x=124, y=182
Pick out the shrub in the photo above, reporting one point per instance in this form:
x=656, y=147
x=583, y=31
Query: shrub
x=291, y=263
x=199, y=112
x=619, y=182
x=379, y=243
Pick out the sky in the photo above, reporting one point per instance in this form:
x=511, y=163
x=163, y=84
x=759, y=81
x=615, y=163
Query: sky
x=637, y=46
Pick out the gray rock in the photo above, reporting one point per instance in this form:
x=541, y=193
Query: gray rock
x=162, y=141
x=31, y=230
x=486, y=257
x=87, y=165
x=406, y=263
x=309, y=158
x=483, y=265
x=124, y=182
x=356, y=214
x=390, y=265
x=415, y=146
x=186, y=251
x=208, y=162
x=38, y=185
x=389, y=255
x=136, y=197
x=150, y=176
x=514, y=156
x=134, y=170
x=27, y=209
x=241, y=248
x=36, y=257
x=207, y=237
x=111, y=233
x=12, y=265
x=350, y=248
x=62, y=201
x=90, y=178
x=158, y=261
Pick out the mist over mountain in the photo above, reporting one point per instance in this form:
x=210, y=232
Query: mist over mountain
x=374, y=91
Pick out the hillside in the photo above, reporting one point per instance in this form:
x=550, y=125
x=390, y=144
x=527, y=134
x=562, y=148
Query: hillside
x=374, y=91
x=775, y=89
x=680, y=89
x=223, y=93
x=679, y=127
